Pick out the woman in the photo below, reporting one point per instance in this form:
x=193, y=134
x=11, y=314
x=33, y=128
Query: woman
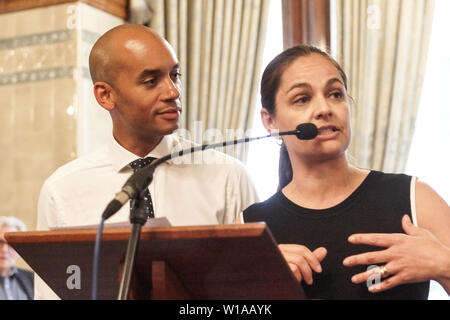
x=323, y=199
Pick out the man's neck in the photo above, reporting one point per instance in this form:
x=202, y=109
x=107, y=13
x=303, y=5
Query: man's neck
x=5, y=272
x=137, y=146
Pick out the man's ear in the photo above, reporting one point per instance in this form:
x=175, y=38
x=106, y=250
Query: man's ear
x=268, y=121
x=104, y=95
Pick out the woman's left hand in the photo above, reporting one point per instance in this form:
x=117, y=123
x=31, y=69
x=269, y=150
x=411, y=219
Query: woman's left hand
x=412, y=257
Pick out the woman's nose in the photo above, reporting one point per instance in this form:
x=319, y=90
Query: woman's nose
x=322, y=109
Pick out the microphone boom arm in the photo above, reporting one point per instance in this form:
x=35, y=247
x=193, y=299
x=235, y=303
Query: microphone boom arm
x=141, y=179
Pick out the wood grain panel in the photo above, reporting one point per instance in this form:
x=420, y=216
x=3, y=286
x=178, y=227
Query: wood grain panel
x=118, y=8
x=306, y=22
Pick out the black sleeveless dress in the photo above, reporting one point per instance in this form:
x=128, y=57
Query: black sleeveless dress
x=376, y=206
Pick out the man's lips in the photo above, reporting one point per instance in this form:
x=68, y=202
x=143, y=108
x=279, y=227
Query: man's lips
x=169, y=110
x=169, y=113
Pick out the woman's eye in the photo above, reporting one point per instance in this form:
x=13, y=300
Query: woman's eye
x=301, y=100
x=337, y=95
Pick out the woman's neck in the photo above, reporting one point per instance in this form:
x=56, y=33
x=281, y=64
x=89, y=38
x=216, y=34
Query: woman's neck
x=320, y=185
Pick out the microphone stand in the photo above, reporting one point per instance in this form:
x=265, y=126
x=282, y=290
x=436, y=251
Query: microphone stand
x=138, y=217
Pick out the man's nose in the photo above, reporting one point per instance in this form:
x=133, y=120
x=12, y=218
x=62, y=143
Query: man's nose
x=4, y=247
x=171, y=90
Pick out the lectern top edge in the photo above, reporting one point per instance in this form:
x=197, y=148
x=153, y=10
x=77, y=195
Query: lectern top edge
x=118, y=234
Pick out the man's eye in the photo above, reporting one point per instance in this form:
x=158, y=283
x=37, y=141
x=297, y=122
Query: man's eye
x=177, y=75
x=150, y=81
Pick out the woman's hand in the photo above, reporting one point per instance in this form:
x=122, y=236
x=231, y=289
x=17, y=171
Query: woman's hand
x=415, y=256
x=302, y=261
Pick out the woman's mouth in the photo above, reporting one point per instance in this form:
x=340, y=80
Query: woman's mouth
x=327, y=132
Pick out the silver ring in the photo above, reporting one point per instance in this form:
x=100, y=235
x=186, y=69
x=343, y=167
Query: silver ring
x=382, y=271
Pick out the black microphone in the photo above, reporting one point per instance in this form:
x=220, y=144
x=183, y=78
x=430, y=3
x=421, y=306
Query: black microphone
x=140, y=180
x=304, y=131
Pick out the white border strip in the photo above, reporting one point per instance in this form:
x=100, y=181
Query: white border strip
x=412, y=195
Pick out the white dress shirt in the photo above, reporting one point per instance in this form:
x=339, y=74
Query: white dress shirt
x=204, y=188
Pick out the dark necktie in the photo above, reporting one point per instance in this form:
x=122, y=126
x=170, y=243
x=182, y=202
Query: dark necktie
x=148, y=205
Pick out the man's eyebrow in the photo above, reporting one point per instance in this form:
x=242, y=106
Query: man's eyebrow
x=149, y=72
x=154, y=72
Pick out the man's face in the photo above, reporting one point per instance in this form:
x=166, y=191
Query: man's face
x=8, y=256
x=147, y=89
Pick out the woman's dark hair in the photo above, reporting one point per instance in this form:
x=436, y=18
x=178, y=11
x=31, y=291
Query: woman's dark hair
x=270, y=82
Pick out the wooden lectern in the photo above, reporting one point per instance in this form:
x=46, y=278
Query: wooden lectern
x=229, y=262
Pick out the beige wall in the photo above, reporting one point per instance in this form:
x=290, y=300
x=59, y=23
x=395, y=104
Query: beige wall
x=37, y=62
x=48, y=115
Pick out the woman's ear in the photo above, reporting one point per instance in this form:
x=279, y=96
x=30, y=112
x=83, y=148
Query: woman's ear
x=104, y=95
x=268, y=121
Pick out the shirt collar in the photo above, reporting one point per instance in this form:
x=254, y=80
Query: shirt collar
x=121, y=157
x=12, y=272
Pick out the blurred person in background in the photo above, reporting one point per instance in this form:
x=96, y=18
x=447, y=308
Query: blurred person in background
x=15, y=283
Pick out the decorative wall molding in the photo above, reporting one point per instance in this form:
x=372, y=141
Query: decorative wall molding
x=36, y=75
x=37, y=39
x=89, y=36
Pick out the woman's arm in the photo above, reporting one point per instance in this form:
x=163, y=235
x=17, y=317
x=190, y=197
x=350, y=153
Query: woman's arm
x=433, y=214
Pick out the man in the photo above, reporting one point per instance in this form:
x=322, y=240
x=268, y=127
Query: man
x=15, y=283
x=136, y=79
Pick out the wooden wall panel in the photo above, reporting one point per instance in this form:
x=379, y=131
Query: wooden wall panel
x=118, y=8
x=306, y=22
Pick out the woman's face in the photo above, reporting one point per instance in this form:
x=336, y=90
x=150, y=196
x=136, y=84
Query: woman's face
x=312, y=90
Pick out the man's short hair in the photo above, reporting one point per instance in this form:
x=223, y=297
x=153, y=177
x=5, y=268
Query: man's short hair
x=12, y=222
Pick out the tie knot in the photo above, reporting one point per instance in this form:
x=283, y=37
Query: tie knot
x=140, y=163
